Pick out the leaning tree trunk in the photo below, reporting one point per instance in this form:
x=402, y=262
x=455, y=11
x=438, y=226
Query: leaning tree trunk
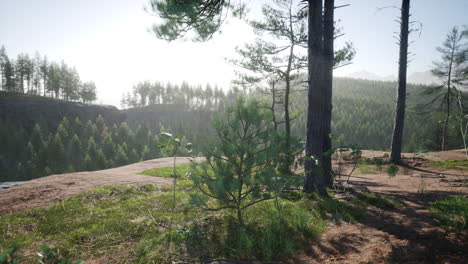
x=397, y=139
x=314, y=180
x=328, y=49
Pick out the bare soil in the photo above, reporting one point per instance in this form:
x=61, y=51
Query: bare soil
x=403, y=235
x=44, y=191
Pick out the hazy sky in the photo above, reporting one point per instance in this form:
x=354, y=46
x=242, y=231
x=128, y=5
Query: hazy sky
x=108, y=40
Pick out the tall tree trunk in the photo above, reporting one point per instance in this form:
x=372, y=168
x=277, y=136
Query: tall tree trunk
x=287, y=118
x=273, y=104
x=397, y=139
x=448, y=99
x=314, y=180
x=328, y=49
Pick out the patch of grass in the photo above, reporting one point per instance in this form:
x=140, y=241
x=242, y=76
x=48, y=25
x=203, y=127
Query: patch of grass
x=367, y=169
x=91, y=224
x=130, y=223
x=377, y=200
x=340, y=211
x=461, y=164
x=451, y=212
x=183, y=172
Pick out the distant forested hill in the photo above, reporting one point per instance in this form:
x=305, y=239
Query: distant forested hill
x=73, y=137
x=363, y=115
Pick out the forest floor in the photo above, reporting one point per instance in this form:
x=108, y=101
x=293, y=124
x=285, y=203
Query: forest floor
x=406, y=234
x=55, y=188
x=409, y=234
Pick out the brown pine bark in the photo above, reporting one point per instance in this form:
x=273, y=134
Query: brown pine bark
x=314, y=179
x=397, y=139
x=328, y=49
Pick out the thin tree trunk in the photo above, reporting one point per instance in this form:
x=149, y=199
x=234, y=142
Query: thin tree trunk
x=287, y=119
x=447, y=114
x=328, y=42
x=314, y=180
x=397, y=138
x=273, y=104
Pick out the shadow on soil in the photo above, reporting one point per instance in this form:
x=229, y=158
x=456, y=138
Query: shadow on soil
x=411, y=231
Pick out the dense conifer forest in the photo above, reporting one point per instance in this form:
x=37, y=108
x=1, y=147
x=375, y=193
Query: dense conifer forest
x=362, y=109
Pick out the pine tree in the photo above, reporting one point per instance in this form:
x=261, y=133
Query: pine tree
x=75, y=153
x=56, y=154
x=239, y=167
x=121, y=156
x=453, y=71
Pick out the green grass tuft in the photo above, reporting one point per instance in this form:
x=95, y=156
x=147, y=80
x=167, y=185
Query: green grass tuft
x=183, y=172
x=377, y=200
x=461, y=164
x=451, y=212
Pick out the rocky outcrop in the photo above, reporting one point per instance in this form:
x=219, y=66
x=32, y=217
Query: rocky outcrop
x=48, y=113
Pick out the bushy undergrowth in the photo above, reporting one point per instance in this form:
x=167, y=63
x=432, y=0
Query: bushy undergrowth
x=451, y=212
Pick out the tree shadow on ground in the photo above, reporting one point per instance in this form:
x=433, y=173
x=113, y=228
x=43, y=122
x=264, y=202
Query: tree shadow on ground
x=410, y=232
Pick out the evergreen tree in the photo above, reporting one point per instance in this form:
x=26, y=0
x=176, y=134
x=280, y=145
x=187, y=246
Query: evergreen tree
x=75, y=153
x=453, y=71
x=121, y=156
x=241, y=162
x=56, y=154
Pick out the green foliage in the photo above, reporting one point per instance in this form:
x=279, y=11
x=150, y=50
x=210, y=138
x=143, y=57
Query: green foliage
x=49, y=255
x=183, y=171
x=8, y=256
x=239, y=170
x=37, y=77
x=379, y=201
x=392, y=170
x=71, y=147
x=461, y=164
x=451, y=212
x=204, y=18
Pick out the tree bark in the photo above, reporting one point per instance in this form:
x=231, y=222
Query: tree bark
x=397, y=138
x=314, y=180
x=449, y=83
x=328, y=49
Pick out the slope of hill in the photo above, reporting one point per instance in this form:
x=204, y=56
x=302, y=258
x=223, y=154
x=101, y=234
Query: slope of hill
x=424, y=78
x=26, y=110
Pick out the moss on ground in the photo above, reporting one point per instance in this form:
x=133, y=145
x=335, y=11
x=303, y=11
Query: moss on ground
x=460, y=164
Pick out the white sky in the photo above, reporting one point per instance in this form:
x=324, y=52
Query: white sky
x=108, y=40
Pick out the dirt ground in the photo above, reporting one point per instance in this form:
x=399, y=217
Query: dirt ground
x=43, y=191
x=403, y=235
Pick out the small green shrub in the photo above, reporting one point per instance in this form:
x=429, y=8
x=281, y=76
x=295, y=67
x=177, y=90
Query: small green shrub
x=392, y=170
x=8, y=256
x=451, y=212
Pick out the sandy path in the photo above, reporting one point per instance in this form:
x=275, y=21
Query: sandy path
x=43, y=191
